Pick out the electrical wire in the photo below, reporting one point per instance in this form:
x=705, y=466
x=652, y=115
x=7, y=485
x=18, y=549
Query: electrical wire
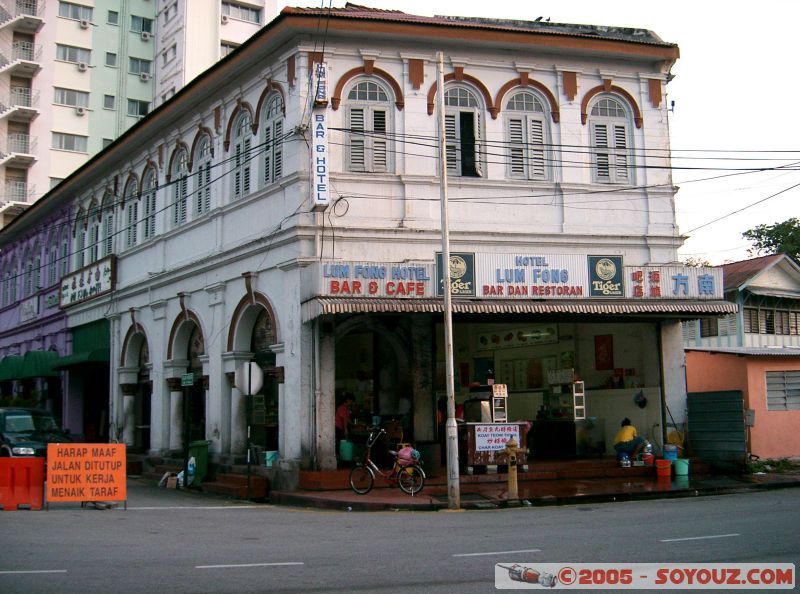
x=100, y=241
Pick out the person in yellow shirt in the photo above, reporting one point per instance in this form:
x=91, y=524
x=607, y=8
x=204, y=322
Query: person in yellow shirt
x=626, y=441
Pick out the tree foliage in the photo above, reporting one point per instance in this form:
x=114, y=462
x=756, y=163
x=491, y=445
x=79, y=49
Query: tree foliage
x=775, y=239
x=696, y=262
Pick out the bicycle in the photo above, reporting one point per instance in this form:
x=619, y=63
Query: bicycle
x=406, y=472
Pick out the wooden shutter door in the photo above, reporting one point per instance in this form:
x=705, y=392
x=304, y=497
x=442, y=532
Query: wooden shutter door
x=536, y=149
x=357, y=141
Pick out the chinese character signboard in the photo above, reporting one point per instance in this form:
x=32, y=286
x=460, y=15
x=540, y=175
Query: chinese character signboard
x=673, y=282
x=89, y=282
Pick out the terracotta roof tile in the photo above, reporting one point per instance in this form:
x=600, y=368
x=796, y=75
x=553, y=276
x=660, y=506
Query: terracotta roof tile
x=736, y=274
x=357, y=11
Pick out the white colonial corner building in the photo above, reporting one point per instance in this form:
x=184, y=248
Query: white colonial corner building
x=244, y=221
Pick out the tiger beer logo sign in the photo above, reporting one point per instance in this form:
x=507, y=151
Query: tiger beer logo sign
x=605, y=276
x=462, y=275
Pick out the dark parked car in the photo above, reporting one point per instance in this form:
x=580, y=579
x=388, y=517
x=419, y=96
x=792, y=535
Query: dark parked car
x=25, y=432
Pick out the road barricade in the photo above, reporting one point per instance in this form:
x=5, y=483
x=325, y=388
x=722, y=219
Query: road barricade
x=21, y=483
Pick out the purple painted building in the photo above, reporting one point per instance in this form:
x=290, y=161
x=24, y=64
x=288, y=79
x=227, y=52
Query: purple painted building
x=33, y=328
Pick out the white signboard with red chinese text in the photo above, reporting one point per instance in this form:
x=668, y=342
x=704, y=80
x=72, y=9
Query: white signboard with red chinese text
x=491, y=437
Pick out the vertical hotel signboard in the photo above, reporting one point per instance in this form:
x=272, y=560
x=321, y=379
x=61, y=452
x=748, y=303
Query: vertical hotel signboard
x=320, y=161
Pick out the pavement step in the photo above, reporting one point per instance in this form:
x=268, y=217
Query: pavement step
x=259, y=489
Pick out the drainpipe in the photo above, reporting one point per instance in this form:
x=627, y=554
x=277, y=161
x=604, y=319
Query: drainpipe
x=660, y=345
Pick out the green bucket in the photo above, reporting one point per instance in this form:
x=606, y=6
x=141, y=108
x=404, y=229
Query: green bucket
x=681, y=466
x=346, y=450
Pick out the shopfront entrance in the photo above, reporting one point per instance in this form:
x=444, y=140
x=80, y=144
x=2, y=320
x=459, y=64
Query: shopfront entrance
x=614, y=367
x=373, y=368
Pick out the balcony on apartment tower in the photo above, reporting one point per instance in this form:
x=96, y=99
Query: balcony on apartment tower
x=24, y=16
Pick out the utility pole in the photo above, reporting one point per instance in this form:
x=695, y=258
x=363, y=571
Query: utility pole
x=451, y=429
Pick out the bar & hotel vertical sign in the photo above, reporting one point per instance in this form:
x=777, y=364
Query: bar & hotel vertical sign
x=320, y=161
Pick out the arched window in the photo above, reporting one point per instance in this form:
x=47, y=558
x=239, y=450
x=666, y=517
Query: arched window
x=242, y=131
x=80, y=240
x=131, y=212
x=64, y=253
x=526, y=127
x=463, y=132
x=611, y=143
x=93, y=240
x=107, y=209
x=202, y=157
x=27, y=276
x=180, y=187
x=368, y=114
x=7, y=273
x=36, y=273
x=52, y=261
x=149, y=189
x=272, y=137
x=10, y=293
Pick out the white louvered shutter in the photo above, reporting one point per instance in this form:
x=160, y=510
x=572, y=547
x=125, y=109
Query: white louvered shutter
x=516, y=140
x=237, y=174
x=452, y=144
x=358, y=146
x=269, y=140
x=205, y=173
x=621, y=158
x=601, y=152
x=246, y=167
x=536, y=149
x=184, y=189
x=277, y=140
x=380, y=157
x=478, y=130
x=108, y=244
x=130, y=223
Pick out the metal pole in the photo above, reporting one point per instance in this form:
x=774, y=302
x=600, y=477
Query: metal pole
x=451, y=428
x=249, y=408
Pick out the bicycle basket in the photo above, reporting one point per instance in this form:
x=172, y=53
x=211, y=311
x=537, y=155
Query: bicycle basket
x=408, y=456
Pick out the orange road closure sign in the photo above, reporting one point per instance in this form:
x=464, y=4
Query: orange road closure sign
x=86, y=472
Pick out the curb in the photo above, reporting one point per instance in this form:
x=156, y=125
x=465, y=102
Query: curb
x=306, y=501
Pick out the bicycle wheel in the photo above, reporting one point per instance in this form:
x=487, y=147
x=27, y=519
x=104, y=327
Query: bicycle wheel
x=361, y=479
x=411, y=479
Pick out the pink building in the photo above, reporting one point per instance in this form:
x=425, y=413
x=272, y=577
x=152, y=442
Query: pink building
x=755, y=352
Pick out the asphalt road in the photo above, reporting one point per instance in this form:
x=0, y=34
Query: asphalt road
x=169, y=541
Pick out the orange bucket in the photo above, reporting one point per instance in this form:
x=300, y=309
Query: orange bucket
x=663, y=467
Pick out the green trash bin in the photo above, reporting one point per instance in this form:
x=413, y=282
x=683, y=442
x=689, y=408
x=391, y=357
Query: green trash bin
x=199, y=451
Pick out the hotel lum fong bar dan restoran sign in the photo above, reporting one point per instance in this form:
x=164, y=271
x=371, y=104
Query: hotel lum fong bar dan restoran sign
x=89, y=282
x=534, y=276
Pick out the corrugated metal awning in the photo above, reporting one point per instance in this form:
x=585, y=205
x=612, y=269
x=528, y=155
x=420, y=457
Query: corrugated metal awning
x=775, y=351
x=319, y=306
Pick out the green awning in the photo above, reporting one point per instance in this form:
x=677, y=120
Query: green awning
x=83, y=358
x=38, y=364
x=10, y=367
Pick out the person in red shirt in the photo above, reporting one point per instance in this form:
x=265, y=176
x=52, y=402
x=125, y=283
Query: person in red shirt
x=343, y=422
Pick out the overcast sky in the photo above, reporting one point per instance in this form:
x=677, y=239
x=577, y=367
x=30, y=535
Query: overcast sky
x=736, y=88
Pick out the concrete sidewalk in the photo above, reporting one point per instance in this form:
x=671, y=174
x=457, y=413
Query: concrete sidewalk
x=493, y=495
x=144, y=493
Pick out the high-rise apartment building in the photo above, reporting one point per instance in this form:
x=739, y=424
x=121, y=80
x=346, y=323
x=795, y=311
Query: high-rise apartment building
x=191, y=35
x=74, y=75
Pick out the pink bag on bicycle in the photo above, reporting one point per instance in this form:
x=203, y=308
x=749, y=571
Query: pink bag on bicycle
x=407, y=456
